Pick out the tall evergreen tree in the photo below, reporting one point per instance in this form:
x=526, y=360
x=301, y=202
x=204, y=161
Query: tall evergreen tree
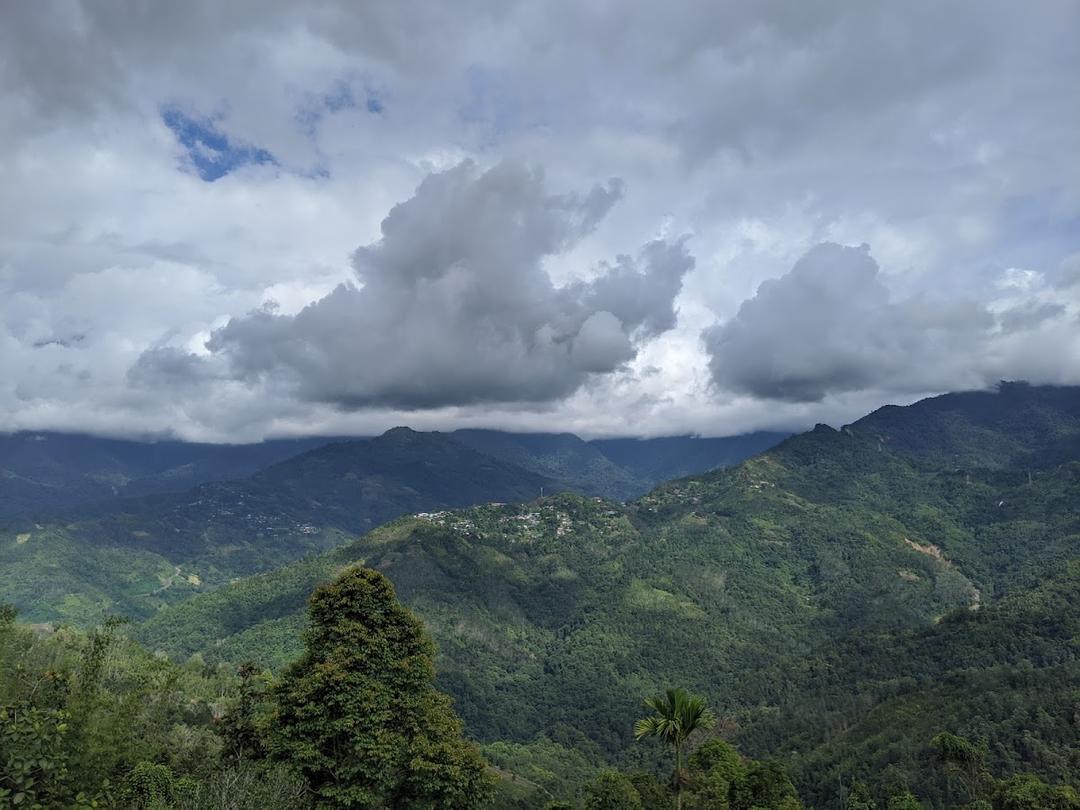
x=357, y=714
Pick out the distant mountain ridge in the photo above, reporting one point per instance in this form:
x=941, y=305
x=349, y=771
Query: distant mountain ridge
x=617, y=468
x=43, y=470
x=132, y=555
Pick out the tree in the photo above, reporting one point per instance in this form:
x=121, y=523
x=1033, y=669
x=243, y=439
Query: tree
x=34, y=761
x=715, y=766
x=611, y=791
x=904, y=801
x=357, y=714
x=149, y=786
x=653, y=795
x=676, y=715
x=963, y=758
x=719, y=756
x=1028, y=792
x=860, y=798
x=766, y=786
x=240, y=731
x=710, y=791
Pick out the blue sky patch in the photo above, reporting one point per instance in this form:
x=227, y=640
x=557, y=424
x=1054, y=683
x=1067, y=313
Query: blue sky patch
x=210, y=151
x=342, y=97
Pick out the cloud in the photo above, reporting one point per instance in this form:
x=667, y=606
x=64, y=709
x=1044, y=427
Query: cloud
x=830, y=326
x=1030, y=315
x=169, y=366
x=1068, y=274
x=453, y=304
x=641, y=292
x=759, y=128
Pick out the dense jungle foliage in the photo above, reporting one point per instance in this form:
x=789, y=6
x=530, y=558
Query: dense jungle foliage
x=92, y=720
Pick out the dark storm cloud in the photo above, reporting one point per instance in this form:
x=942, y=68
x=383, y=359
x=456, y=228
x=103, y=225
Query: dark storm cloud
x=455, y=306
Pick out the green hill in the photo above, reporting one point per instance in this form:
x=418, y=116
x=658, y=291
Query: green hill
x=553, y=617
x=133, y=556
x=87, y=552
x=1017, y=427
x=1006, y=677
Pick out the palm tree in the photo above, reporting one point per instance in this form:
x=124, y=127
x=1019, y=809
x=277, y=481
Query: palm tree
x=676, y=715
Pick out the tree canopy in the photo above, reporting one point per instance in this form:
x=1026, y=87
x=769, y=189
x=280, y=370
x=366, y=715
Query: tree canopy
x=358, y=715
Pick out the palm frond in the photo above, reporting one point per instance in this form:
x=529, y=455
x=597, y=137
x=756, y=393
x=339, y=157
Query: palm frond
x=647, y=727
x=658, y=704
x=676, y=715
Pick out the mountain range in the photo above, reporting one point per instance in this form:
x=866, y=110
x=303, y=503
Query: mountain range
x=91, y=553
x=840, y=597
x=823, y=593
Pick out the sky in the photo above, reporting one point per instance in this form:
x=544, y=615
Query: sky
x=227, y=221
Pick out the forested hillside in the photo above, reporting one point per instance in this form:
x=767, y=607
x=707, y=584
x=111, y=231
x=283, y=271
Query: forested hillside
x=43, y=472
x=552, y=617
x=1019, y=427
x=132, y=556
x=92, y=720
x=1006, y=676
x=64, y=558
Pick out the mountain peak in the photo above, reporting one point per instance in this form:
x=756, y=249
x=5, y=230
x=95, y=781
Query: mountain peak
x=401, y=432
